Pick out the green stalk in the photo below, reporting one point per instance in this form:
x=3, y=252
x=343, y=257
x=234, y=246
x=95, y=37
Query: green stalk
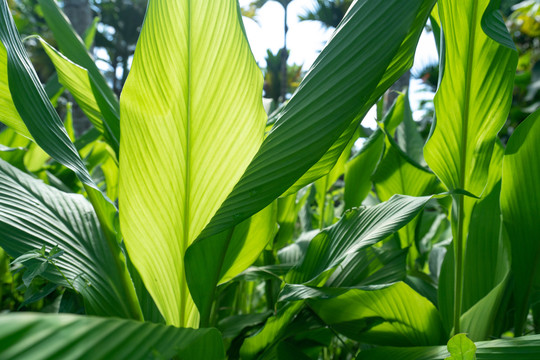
x=459, y=231
x=322, y=205
x=458, y=222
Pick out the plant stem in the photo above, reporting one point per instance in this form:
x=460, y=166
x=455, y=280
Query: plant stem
x=64, y=276
x=458, y=256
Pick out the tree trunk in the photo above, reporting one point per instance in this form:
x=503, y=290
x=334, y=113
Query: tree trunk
x=284, y=57
x=80, y=15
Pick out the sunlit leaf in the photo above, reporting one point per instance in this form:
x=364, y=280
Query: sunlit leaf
x=192, y=119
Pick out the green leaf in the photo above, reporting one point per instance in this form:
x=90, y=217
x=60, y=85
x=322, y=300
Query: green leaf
x=62, y=336
x=408, y=137
x=397, y=173
x=402, y=61
x=230, y=253
x=358, y=229
x=35, y=158
x=378, y=314
x=359, y=169
x=8, y=112
x=486, y=263
x=34, y=215
x=14, y=147
x=90, y=34
x=338, y=151
x=520, y=205
x=232, y=326
x=524, y=348
x=287, y=214
x=342, y=83
x=370, y=266
x=461, y=347
x=272, y=331
x=193, y=93
x=471, y=106
x=73, y=47
x=473, y=99
x=81, y=85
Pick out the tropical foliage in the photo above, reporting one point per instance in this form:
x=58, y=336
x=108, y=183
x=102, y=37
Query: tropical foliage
x=187, y=223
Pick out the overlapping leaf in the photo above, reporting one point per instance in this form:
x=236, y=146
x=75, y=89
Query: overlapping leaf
x=227, y=255
x=344, y=81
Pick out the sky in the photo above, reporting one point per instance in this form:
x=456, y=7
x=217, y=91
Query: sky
x=307, y=38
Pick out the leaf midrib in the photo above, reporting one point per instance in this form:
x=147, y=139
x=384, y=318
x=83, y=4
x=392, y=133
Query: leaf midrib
x=187, y=155
x=466, y=107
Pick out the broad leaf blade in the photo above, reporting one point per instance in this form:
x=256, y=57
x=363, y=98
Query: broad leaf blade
x=8, y=112
x=359, y=228
x=473, y=99
x=75, y=50
x=33, y=215
x=461, y=348
x=41, y=336
x=192, y=119
x=520, y=205
x=82, y=86
x=359, y=169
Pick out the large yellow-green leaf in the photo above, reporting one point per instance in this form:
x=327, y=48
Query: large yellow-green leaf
x=473, y=99
x=76, y=80
x=520, y=206
x=192, y=119
x=8, y=112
